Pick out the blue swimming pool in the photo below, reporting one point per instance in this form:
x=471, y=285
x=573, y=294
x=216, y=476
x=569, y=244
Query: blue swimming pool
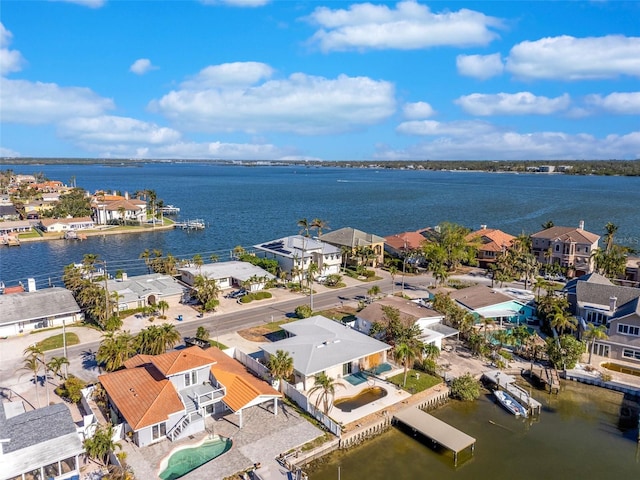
x=187, y=459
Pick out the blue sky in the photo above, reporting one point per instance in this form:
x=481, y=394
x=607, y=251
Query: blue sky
x=320, y=80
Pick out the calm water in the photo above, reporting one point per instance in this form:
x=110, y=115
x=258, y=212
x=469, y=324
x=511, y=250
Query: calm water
x=250, y=205
x=577, y=436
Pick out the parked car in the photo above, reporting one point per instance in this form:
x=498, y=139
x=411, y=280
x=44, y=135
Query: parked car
x=237, y=293
x=321, y=279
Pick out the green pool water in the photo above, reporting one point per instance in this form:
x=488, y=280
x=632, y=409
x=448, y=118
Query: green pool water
x=187, y=459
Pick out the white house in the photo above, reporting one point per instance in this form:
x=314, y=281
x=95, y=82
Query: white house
x=294, y=254
x=109, y=209
x=26, y=311
x=143, y=290
x=228, y=274
x=41, y=443
x=66, y=224
x=319, y=345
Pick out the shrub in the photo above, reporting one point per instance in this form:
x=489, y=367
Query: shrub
x=465, y=388
x=71, y=389
x=303, y=311
x=606, y=377
x=369, y=273
x=429, y=366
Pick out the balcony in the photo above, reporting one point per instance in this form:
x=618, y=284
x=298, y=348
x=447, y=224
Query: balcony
x=203, y=394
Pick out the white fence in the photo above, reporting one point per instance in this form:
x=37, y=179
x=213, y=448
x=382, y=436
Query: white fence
x=252, y=364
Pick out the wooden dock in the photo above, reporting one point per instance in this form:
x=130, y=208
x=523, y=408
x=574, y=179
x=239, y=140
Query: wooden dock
x=548, y=376
x=508, y=383
x=435, y=429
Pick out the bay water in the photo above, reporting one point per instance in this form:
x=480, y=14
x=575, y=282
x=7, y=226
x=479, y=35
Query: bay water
x=583, y=433
x=247, y=205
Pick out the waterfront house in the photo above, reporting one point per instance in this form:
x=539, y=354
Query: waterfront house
x=594, y=299
x=229, y=275
x=38, y=444
x=355, y=241
x=115, y=209
x=17, y=226
x=632, y=271
x=144, y=290
x=294, y=254
x=319, y=345
x=411, y=313
x=27, y=311
x=491, y=242
x=170, y=395
x=569, y=247
x=62, y=225
x=486, y=302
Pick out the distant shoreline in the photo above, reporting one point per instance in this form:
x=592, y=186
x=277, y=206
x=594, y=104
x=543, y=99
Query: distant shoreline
x=563, y=167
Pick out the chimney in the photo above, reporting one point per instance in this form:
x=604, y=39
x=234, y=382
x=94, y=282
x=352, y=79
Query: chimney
x=581, y=225
x=124, y=276
x=483, y=227
x=126, y=195
x=31, y=284
x=612, y=304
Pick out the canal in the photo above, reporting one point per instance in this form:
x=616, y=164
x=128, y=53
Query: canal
x=583, y=433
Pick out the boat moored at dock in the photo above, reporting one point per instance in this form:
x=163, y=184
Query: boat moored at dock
x=510, y=403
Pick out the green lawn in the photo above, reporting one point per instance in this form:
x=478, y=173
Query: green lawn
x=51, y=343
x=221, y=346
x=416, y=381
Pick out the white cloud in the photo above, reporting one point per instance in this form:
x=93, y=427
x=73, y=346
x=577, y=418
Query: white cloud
x=418, y=110
x=469, y=128
x=301, y=104
x=570, y=58
x=521, y=103
x=238, y=74
x=622, y=103
x=484, y=141
x=10, y=60
x=409, y=26
x=7, y=152
x=142, y=66
x=480, y=66
x=108, y=129
x=85, y=3
x=237, y=3
x=38, y=103
x=219, y=150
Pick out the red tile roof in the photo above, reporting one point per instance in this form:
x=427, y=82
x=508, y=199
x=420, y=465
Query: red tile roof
x=177, y=361
x=408, y=240
x=567, y=234
x=493, y=240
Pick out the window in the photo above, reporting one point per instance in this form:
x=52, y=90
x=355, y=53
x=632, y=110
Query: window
x=158, y=431
x=68, y=464
x=628, y=329
x=630, y=353
x=190, y=378
x=51, y=470
x=557, y=248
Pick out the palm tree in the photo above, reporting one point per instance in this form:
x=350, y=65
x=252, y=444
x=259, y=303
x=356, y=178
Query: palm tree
x=169, y=336
x=610, y=229
x=163, y=305
x=431, y=351
x=36, y=353
x=213, y=258
x=121, y=213
x=373, y=291
x=406, y=354
x=319, y=225
x=593, y=333
x=486, y=324
x=197, y=261
x=33, y=365
x=327, y=388
x=281, y=366
x=548, y=224
x=101, y=444
x=56, y=364
x=115, y=349
x=540, y=284
x=393, y=271
x=304, y=225
x=562, y=321
x=146, y=256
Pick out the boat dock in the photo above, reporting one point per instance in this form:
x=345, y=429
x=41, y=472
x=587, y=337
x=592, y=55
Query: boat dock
x=170, y=210
x=508, y=383
x=547, y=376
x=436, y=430
x=196, y=224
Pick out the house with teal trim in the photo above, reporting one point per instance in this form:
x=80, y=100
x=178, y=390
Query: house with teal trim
x=485, y=302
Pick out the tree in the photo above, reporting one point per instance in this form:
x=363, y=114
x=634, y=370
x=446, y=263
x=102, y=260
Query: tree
x=163, y=305
x=198, y=261
x=169, y=336
x=593, y=333
x=281, y=366
x=33, y=365
x=115, y=349
x=36, y=357
x=56, y=364
x=101, y=444
x=319, y=225
x=565, y=351
x=327, y=387
x=610, y=231
x=213, y=258
x=303, y=311
x=548, y=224
x=202, y=333
x=406, y=354
x=465, y=388
x=206, y=292
x=374, y=291
x=393, y=271
x=304, y=225
x=71, y=389
x=448, y=249
x=561, y=321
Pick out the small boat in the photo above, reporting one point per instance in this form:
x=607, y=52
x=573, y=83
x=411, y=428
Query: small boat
x=170, y=210
x=508, y=402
